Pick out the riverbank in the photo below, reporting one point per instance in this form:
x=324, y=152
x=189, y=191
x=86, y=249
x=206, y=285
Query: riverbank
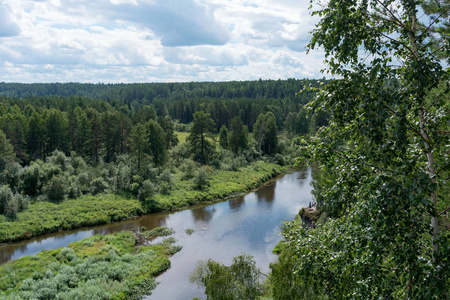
x=48, y=217
x=116, y=266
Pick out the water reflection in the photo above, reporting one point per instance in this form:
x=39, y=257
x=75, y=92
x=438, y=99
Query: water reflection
x=267, y=193
x=204, y=214
x=235, y=204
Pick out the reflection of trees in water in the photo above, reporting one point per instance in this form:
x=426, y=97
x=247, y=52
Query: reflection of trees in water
x=301, y=177
x=153, y=221
x=267, y=193
x=236, y=203
x=203, y=214
x=7, y=252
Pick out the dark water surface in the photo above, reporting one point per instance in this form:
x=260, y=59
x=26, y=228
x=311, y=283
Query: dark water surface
x=248, y=224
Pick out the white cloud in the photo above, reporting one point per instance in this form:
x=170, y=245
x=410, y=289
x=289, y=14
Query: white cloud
x=155, y=40
x=8, y=27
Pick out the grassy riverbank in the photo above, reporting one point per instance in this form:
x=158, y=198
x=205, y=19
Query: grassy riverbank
x=46, y=217
x=100, y=267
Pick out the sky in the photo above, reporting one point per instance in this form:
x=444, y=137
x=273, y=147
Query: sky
x=155, y=40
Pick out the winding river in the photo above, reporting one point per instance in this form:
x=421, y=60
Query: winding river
x=248, y=224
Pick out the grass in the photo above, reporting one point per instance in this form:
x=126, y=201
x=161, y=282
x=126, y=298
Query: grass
x=182, y=136
x=222, y=184
x=47, y=217
x=99, y=267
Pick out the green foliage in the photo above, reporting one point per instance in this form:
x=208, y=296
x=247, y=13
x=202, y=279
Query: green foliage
x=148, y=190
x=238, y=137
x=383, y=181
x=169, y=131
x=100, y=267
x=158, y=232
x=265, y=133
x=166, y=183
x=156, y=146
x=56, y=188
x=44, y=217
x=188, y=168
x=31, y=178
x=223, y=137
x=138, y=140
x=98, y=185
x=287, y=285
x=238, y=281
x=6, y=151
x=202, y=127
x=201, y=179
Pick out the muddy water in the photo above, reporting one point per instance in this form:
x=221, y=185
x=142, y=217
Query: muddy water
x=248, y=224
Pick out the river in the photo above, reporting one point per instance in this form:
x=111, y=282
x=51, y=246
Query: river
x=248, y=224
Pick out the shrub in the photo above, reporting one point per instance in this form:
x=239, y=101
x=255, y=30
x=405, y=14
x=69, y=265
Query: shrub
x=188, y=168
x=158, y=232
x=56, y=188
x=123, y=178
x=23, y=201
x=31, y=179
x=12, y=207
x=11, y=175
x=98, y=185
x=201, y=179
x=148, y=189
x=9, y=204
x=5, y=196
x=238, y=281
x=165, y=182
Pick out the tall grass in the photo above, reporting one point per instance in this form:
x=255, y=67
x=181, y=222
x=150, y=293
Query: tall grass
x=99, y=267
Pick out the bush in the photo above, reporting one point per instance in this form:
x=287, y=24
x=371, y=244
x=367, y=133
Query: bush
x=188, y=168
x=158, y=232
x=148, y=189
x=56, y=188
x=278, y=159
x=12, y=207
x=9, y=204
x=123, y=178
x=74, y=190
x=238, y=281
x=165, y=182
x=98, y=185
x=31, y=179
x=201, y=179
x=23, y=201
x=5, y=196
x=11, y=175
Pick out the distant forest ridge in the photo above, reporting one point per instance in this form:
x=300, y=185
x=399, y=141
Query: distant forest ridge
x=152, y=91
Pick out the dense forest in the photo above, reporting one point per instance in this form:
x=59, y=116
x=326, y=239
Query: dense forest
x=133, y=139
x=95, y=120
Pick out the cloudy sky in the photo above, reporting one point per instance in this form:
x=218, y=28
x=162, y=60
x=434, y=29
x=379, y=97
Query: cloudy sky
x=155, y=40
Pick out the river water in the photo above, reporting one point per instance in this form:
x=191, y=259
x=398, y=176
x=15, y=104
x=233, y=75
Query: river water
x=248, y=224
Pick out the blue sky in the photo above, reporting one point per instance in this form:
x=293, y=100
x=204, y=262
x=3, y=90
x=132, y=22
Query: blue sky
x=155, y=40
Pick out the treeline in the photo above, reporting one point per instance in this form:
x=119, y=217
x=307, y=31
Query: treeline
x=94, y=128
x=153, y=91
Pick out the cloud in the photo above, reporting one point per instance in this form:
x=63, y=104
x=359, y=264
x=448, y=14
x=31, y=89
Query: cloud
x=155, y=40
x=176, y=23
x=7, y=27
